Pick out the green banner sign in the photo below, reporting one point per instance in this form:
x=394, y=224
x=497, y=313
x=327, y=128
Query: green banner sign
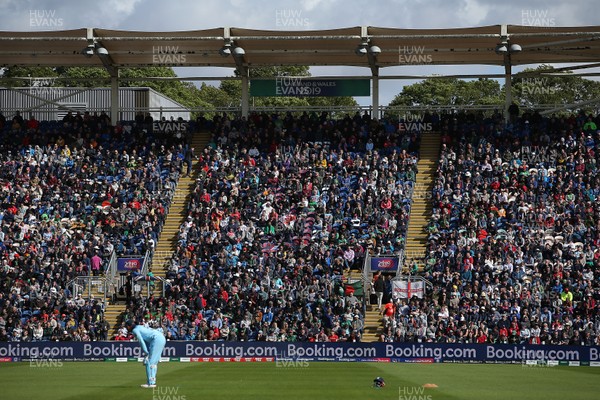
x=289, y=86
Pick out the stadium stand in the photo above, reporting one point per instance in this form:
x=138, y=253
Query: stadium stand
x=74, y=191
x=283, y=206
x=513, y=239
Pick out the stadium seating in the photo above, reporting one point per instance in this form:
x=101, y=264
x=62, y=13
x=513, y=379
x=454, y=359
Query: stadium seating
x=72, y=190
x=283, y=206
x=513, y=239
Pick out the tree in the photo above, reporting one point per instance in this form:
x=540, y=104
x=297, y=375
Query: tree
x=450, y=91
x=260, y=72
x=29, y=74
x=482, y=91
x=184, y=93
x=101, y=76
x=531, y=89
x=233, y=90
x=208, y=97
x=217, y=97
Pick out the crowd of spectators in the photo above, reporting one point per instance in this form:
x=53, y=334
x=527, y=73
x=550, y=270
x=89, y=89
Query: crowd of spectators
x=72, y=192
x=514, y=238
x=282, y=207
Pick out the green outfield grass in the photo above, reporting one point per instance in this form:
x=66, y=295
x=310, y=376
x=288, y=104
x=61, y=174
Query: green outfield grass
x=319, y=380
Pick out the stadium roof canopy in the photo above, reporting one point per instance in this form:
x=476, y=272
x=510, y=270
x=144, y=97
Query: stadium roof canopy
x=336, y=47
x=361, y=46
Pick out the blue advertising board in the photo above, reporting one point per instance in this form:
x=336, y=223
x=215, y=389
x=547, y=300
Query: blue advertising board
x=354, y=352
x=129, y=264
x=384, y=264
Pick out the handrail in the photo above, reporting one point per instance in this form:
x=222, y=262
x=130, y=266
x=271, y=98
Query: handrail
x=111, y=269
x=545, y=108
x=112, y=264
x=144, y=268
x=74, y=285
x=83, y=284
x=154, y=278
x=111, y=273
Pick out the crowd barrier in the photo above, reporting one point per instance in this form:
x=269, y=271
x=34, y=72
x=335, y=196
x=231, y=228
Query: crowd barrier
x=189, y=351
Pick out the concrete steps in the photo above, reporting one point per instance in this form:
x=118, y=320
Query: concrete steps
x=372, y=320
x=113, y=315
x=373, y=325
x=167, y=241
x=416, y=238
x=420, y=213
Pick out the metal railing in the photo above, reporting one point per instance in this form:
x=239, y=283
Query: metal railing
x=332, y=110
x=120, y=278
x=111, y=266
x=394, y=112
x=110, y=273
x=145, y=265
x=150, y=283
x=89, y=286
x=75, y=287
x=413, y=278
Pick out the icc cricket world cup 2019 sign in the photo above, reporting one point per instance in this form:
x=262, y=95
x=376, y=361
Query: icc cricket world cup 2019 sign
x=384, y=264
x=129, y=264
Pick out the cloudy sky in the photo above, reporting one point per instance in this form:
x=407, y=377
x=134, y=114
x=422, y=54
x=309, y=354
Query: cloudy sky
x=161, y=15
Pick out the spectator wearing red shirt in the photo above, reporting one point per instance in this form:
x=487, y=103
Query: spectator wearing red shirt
x=482, y=336
x=32, y=123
